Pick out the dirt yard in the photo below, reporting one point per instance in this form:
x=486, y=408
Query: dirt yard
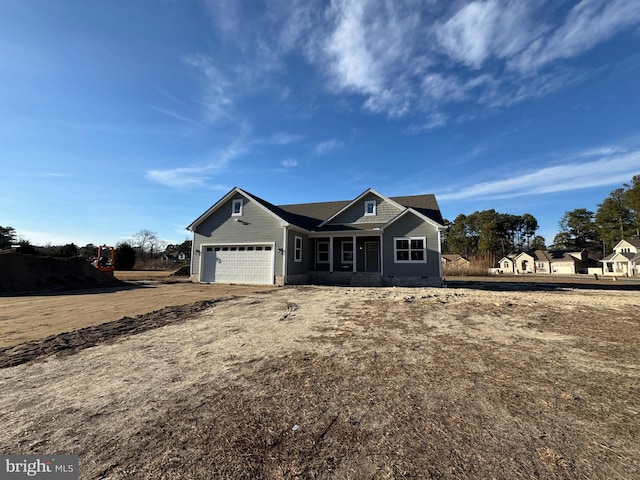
x=30, y=317
x=329, y=382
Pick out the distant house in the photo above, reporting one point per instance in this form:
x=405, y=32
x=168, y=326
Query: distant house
x=625, y=259
x=177, y=256
x=371, y=239
x=455, y=262
x=545, y=261
x=506, y=264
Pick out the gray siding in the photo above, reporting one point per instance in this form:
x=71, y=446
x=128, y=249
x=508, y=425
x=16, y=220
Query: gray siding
x=411, y=226
x=256, y=225
x=303, y=267
x=385, y=212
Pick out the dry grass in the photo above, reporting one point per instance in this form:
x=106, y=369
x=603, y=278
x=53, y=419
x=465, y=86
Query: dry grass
x=350, y=383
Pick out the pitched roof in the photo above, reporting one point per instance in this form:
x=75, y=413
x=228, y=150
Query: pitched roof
x=310, y=215
x=427, y=205
x=633, y=241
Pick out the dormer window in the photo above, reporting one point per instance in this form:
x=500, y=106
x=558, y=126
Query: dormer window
x=370, y=207
x=236, y=207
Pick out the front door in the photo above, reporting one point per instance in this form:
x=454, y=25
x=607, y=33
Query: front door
x=372, y=256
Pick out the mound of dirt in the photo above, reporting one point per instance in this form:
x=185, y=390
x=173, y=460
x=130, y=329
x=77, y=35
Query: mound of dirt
x=184, y=271
x=33, y=273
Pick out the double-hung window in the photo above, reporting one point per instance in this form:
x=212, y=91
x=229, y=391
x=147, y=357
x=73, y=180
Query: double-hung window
x=297, y=251
x=347, y=252
x=410, y=249
x=323, y=252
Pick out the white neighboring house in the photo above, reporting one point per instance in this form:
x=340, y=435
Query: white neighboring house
x=545, y=261
x=625, y=259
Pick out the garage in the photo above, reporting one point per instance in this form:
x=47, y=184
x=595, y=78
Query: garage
x=237, y=264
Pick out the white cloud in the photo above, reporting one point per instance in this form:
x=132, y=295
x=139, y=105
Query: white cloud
x=433, y=120
x=180, y=177
x=328, y=146
x=194, y=176
x=289, y=163
x=216, y=100
x=589, y=22
x=284, y=138
x=407, y=57
x=610, y=168
x=484, y=29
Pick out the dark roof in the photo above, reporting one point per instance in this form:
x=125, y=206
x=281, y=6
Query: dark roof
x=311, y=215
x=427, y=205
x=633, y=241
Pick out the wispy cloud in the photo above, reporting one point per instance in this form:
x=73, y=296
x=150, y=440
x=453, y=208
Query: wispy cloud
x=589, y=23
x=408, y=58
x=289, y=163
x=284, y=138
x=217, y=97
x=610, y=166
x=198, y=175
x=176, y=116
x=323, y=148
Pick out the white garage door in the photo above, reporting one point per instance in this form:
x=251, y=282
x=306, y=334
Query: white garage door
x=238, y=264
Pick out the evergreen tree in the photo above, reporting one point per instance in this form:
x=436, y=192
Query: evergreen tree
x=7, y=236
x=577, y=230
x=613, y=219
x=632, y=202
x=125, y=256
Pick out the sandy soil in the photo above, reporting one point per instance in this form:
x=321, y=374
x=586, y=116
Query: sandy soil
x=31, y=317
x=328, y=382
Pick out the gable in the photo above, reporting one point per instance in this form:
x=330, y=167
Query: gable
x=355, y=213
x=226, y=202
x=338, y=215
x=631, y=245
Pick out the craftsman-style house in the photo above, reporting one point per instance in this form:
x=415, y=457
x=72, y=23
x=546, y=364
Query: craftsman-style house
x=370, y=240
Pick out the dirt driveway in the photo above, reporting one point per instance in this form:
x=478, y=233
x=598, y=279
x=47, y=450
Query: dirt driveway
x=31, y=317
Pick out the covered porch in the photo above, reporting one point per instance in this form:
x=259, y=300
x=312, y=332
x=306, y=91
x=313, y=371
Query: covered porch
x=619, y=264
x=347, y=259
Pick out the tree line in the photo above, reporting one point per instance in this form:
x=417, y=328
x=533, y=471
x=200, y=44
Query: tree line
x=491, y=235
x=617, y=217
x=144, y=248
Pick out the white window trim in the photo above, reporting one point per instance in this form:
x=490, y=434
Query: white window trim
x=318, y=252
x=235, y=202
x=343, y=250
x=297, y=251
x=366, y=208
x=395, y=249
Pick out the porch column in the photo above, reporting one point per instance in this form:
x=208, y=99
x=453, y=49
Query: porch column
x=330, y=254
x=353, y=250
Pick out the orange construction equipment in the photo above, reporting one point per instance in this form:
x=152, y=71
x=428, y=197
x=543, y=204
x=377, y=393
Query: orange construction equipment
x=105, y=261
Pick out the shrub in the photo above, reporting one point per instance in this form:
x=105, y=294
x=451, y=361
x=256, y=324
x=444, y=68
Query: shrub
x=125, y=256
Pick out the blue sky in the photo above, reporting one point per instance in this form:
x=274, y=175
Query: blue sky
x=126, y=115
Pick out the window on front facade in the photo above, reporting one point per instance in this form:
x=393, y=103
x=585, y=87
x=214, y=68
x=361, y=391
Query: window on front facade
x=347, y=252
x=297, y=253
x=506, y=264
x=236, y=207
x=323, y=252
x=370, y=207
x=410, y=249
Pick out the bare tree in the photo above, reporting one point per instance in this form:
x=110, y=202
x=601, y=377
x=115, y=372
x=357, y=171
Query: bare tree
x=145, y=240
